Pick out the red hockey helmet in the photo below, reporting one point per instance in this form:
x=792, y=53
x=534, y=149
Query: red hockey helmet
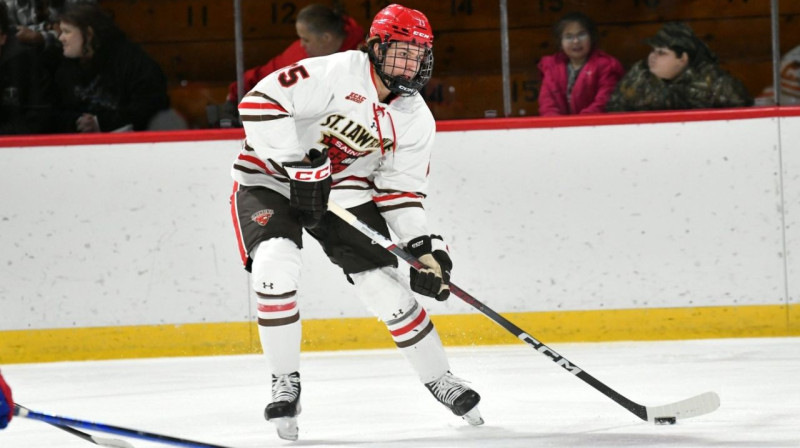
x=401, y=26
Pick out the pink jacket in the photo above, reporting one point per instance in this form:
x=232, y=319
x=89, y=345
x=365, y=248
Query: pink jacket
x=591, y=91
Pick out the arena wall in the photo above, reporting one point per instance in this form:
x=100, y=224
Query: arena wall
x=614, y=227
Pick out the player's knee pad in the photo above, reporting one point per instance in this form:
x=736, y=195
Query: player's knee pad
x=384, y=292
x=276, y=267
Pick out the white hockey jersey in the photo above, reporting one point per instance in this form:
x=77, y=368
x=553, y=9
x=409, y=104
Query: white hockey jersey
x=379, y=152
x=789, y=81
x=790, y=77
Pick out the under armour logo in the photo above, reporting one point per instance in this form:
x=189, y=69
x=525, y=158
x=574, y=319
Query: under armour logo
x=265, y=285
x=398, y=313
x=373, y=125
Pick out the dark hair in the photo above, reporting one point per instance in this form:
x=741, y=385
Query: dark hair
x=4, y=22
x=680, y=38
x=105, y=33
x=322, y=19
x=582, y=19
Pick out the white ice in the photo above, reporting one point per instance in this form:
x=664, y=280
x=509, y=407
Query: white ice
x=372, y=399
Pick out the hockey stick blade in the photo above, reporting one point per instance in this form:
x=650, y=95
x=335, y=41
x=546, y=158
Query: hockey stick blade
x=691, y=407
x=72, y=423
x=101, y=441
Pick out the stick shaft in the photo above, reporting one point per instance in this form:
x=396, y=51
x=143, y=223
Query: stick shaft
x=118, y=430
x=635, y=408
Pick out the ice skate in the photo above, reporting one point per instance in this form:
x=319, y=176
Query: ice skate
x=285, y=406
x=459, y=398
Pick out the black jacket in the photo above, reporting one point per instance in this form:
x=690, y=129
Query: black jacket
x=121, y=86
x=25, y=90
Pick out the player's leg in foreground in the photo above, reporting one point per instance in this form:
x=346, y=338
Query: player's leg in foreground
x=271, y=237
x=385, y=292
x=276, y=270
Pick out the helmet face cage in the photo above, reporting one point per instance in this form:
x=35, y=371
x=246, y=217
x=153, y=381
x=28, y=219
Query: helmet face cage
x=401, y=60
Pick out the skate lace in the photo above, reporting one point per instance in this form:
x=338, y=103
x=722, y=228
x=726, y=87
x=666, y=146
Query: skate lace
x=285, y=388
x=447, y=388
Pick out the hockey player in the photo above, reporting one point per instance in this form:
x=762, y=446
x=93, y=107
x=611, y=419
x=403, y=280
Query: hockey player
x=6, y=403
x=353, y=126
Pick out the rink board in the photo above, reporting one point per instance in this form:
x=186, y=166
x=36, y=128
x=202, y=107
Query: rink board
x=28, y=346
x=366, y=333
x=646, y=226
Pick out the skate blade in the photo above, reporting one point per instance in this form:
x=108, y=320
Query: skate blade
x=473, y=417
x=286, y=427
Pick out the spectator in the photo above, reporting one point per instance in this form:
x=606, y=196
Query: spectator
x=30, y=17
x=24, y=84
x=104, y=82
x=34, y=20
x=579, y=78
x=322, y=31
x=789, y=80
x=6, y=403
x=680, y=73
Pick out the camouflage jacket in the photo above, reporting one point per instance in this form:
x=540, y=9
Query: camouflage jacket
x=702, y=87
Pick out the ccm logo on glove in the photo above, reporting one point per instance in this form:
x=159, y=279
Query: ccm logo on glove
x=310, y=175
x=310, y=186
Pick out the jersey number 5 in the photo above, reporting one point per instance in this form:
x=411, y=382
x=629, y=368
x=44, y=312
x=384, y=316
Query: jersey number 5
x=289, y=77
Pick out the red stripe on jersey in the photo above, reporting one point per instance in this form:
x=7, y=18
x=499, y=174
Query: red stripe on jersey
x=255, y=161
x=411, y=326
x=389, y=197
x=262, y=106
x=273, y=308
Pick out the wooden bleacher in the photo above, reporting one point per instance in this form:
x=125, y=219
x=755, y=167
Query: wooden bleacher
x=193, y=41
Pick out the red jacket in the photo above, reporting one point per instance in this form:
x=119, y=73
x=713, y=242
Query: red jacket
x=592, y=88
x=293, y=53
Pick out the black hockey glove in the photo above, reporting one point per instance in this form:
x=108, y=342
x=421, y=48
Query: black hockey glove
x=433, y=281
x=310, y=186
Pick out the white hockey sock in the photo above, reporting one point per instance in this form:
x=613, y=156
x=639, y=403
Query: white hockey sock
x=280, y=332
x=418, y=340
x=386, y=294
x=276, y=271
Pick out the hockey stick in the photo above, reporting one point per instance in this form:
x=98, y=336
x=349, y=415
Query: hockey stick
x=668, y=413
x=102, y=441
x=62, y=422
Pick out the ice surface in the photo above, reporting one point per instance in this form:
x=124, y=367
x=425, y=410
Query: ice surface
x=373, y=399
